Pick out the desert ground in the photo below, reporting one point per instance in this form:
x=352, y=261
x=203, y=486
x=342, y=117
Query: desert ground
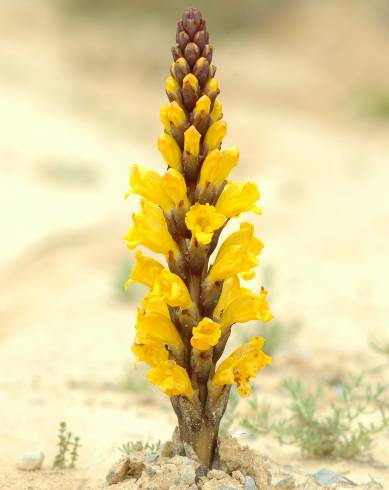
x=79, y=103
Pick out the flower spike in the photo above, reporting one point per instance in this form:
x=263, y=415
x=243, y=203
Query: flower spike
x=193, y=301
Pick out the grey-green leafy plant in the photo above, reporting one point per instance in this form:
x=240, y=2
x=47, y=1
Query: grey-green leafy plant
x=68, y=446
x=343, y=432
x=129, y=447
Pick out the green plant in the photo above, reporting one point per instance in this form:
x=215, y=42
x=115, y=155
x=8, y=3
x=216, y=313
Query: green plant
x=131, y=446
x=68, y=446
x=342, y=432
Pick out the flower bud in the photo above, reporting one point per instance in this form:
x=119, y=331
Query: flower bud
x=170, y=150
x=215, y=135
x=201, y=39
x=192, y=53
x=207, y=52
x=180, y=69
x=190, y=91
x=177, y=52
x=182, y=39
x=201, y=70
x=212, y=88
x=192, y=141
x=172, y=88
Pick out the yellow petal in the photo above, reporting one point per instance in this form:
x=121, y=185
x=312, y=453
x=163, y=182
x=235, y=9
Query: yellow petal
x=237, y=198
x=246, y=306
x=172, y=289
x=192, y=141
x=148, y=184
x=202, y=220
x=157, y=327
x=212, y=88
x=217, y=111
x=150, y=351
x=145, y=270
x=150, y=229
x=217, y=166
x=171, y=378
x=176, y=115
x=172, y=87
x=205, y=335
x=170, y=150
x=175, y=187
x=237, y=255
x=215, y=135
x=244, y=363
x=203, y=106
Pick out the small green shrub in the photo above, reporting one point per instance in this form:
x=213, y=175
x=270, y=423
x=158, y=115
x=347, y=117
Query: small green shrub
x=68, y=446
x=131, y=446
x=342, y=432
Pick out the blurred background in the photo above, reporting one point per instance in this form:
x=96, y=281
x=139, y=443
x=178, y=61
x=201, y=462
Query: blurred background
x=305, y=93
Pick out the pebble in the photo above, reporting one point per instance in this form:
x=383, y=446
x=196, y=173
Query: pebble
x=151, y=458
x=31, y=461
x=286, y=483
x=249, y=483
x=326, y=477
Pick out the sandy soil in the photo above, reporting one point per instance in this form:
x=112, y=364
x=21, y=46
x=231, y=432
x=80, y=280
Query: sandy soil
x=76, y=109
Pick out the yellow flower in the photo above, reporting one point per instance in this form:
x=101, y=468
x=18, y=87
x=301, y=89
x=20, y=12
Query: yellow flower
x=175, y=187
x=231, y=287
x=192, y=141
x=237, y=255
x=171, y=378
x=215, y=135
x=237, y=198
x=155, y=304
x=145, y=270
x=217, y=111
x=150, y=351
x=190, y=81
x=157, y=327
x=246, y=306
x=217, y=166
x=203, y=220
x=148, y=184
x=244, y=363
x=170, y=150
x=172, y=115
x=203, y=106
x=150, y=229
x=172, y=289
x=172, y=87
x=205, y=335
x=212, y=88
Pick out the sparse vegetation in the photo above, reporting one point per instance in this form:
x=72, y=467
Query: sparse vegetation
x=68, y=447
x=131, y=446
x=345, y=429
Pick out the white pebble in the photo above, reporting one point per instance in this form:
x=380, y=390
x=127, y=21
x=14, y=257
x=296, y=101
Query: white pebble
x=31, y=461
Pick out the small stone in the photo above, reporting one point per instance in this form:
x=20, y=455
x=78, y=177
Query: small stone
x=188, y=476
x=326, y=477
x=287, y=483
x=31, y=461
x=217, y=474
x=149, y=470
x=123, y=470
x=151, y=458
x=249, y=483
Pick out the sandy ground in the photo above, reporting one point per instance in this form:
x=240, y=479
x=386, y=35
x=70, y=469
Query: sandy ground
x=75, y=111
